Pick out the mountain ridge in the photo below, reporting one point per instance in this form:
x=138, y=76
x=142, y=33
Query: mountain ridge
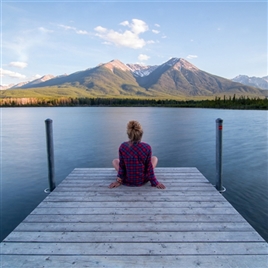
x=259, y=82
x=175, y=78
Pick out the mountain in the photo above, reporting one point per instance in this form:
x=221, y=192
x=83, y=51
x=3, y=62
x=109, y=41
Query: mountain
x=259, y=82
x=33, y=82
x=174, y=78
x=139, y=70
x=6, y=86
x=112, y=78
x=179, y=77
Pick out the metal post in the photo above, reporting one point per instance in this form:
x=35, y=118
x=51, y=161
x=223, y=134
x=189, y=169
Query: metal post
x=219, y=186
x=50, y=156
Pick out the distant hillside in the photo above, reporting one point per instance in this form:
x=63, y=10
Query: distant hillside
x=259, y=82
x=177, y=78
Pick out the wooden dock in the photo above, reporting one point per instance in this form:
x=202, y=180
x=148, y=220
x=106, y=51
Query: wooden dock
x=83, y=223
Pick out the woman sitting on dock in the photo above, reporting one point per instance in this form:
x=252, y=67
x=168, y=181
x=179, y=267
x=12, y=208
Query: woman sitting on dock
x=135, y=165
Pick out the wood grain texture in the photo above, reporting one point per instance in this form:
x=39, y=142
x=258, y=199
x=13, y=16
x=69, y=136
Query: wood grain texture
x=83, y=223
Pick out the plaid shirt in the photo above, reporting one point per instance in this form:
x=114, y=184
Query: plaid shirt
x=135, y=166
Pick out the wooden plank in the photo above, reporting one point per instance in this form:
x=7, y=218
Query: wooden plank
x=133, y=211
x=103, y=186
x=170, y=176
x=181, y=182
x=132, y=227
x=173, y=177
x=132, y=194
x=185, y=236
x=133, y=191
x=157, y=169
x=136, y=249
x=136, y=204
x=189, y=261
x=134, y=218
x=112, y=197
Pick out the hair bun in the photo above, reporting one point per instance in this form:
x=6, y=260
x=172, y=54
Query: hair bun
x=134, y=125
x=134, y=130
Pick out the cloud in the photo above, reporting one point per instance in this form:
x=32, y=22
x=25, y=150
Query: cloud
x=81, y=32
x=138, y=26
x=18, y=64
x=156, y=31
x=143, y=57
x=128, y=38
x=44, y=30
x=11, y=74
x=124, y=23
x=70, y=28
x=157, y=25
x=191, y=56
x=66, y=27
x=100, y=29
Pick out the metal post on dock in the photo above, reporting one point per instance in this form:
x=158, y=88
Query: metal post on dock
x=219, y=186
x=50, y=156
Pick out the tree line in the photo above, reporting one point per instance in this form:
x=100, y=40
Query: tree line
x=233, y=102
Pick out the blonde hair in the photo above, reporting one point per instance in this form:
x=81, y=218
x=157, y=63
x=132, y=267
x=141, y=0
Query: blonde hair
x=134, y=131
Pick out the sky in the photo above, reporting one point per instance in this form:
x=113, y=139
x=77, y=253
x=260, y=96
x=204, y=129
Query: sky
x=224, y=38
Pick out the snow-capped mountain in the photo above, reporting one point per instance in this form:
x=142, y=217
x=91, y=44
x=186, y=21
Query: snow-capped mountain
x=259, y=82
x=176, y=77
x=139, y=70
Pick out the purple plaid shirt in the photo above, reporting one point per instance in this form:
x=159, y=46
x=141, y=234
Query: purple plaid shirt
x=135, y=166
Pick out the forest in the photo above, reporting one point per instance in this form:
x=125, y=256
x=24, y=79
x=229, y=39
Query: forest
x=241, y=102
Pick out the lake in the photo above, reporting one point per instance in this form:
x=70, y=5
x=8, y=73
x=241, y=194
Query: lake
x=90, y=137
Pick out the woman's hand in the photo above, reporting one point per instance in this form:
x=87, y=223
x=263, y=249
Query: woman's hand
x=160, y=186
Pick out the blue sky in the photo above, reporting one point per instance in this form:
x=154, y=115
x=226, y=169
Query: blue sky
x=225, y=38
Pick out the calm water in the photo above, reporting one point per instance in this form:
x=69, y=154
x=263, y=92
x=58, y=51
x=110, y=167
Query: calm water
x=89, y=137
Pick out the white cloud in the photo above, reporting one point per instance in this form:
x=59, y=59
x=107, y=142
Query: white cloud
x=138, y=26
x=124, y=23
x=44, y=30
x=143, y=57
x=81, y=32
x=191, y=56
x=100, y=29
x=156, y=31
x=18, y=64
x=67, y=28
x=157, y=25
x=128, y=38
x=11, y=74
